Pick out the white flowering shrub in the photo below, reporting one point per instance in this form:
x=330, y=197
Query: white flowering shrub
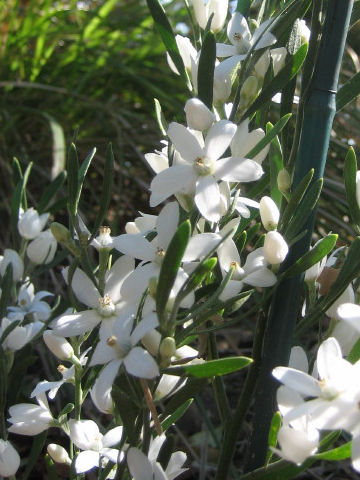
x=129, y=330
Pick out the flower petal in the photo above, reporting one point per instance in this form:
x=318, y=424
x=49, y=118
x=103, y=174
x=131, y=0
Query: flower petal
x=224, y=50
x=77, y=324
x=200, y=245
x=141, y=364
x=166, y=224
x=176, y=179
x=219, y=138
x=207, y=198
x=299, y=381
x=234, y=169
x=185, y=142
x=86, y=460
x=134, y=245
x=112, y=437
x=148, y=323
x=139, y=465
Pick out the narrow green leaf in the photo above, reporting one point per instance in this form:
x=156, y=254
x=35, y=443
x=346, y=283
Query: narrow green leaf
x=50, y=192
x=354, y=354
x=198, y=276
x=273, y=433
x=315, y=255
x=271, y=133
x=304, y=210
x=58, y=147
x=170, y=267
x=72, y=168
x=279, y=81
x=160, y=117
x=191, y=388
x=36, y=448
x=127, y=411
x=5, y=297
x=18, y=200
x=350, y=169
x=179, y=412
x=165, y=30
x=295, y=199
x=205, y=76
x=339, y=453
x=96, y=20
x=107, y=186
x=212, y=368
x=82, y=174
x=348, y=92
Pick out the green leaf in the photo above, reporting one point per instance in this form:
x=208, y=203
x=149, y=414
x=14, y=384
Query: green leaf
x=165, y=30
x=170, y=267
x=355, y=14
x=295, y=199
x=304, y=210
x=212, y=368
x=350, y=169
x=197, y=276
x=205, y=76
x=18, y=200
x=179, y=412
x=82, y=174
x=35, y=452
x=127, y=411
x=339, y=453
x=279, y=81
x=354, y=354
x=106, y=190
x=315, y=255
x=243, y=6
x=271, y=133
x=59, y=146
x=5, y=297
x=273, y=433
x=348, y=92
x=72, y=168
x=160, y=118
x=50, y=192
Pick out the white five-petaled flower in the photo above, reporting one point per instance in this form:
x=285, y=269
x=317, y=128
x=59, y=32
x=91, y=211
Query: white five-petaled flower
x=30, y=302
x=85, y=435
x=242, y=41
x=31, y=223
x=203, y=168
x=30, y=419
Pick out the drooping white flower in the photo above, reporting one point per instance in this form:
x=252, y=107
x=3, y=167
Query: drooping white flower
x=31, y=223
x=9, y=459
x=104, y=240
x=12, y=257
x=42, y=249
x=204, y=9
x=120, y=348
x=85, y=435
x=20, y=335
x=242, y=41
x=30, y=419
x=203, y=168
x=58, y=453
x=275, y=248
x=103, y=310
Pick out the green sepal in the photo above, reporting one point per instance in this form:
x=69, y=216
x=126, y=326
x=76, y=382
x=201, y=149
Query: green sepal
x=279, y=81
x=205, y=76
x=273, y=433
x=169, y=268
x=350, y=169
x=339, y=453
x=212, y=368
x=315, y=255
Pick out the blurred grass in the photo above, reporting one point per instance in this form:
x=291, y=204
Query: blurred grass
x=94, y=66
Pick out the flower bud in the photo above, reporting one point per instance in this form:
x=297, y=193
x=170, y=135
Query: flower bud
x=275, y=248
x=248, y=91
x=222, y=87
x=198, y=116
x=59, y=346
x=284, y=181
x=10, y=256
x=9, y=459
x=203, y=11
x=58, y=453
x=278, y=56
x=347, y=296
x=104, y=240
x=358, y=187
x=304, y=31
x=269, y=213
x=153, y=282
x=151, y=342
x=42, y=249
x=167, y=348
x=31, y=223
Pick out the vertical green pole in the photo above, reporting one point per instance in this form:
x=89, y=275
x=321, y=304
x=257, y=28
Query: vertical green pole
x=319, y=111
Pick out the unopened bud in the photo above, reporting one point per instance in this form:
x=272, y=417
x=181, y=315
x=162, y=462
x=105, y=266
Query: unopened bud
x=248, y=91
x=198, y=116
x=58, y=453
x=59, y=346
x=11, y=256
x=63, y=236
x=167, y=347
x=151, y=342
x=42, y=249
x=153, y=287
x=275, y=248
x=269, y=213
x=284, y=181
x=31, y=223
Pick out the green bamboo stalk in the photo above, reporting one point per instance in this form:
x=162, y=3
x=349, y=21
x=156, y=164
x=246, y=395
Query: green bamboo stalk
x=319, y=111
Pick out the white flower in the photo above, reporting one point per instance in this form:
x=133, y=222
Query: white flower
x=85, y=435
x=141, y=466
x=104, y=240
x=269, y=213
x=105, y=309
x=242, y=41
x=9, y=459
x=20, y=335
x=42, y=249
x=59, y=346
x=347, y=296
x=30, y=419
x=120, y=348
x=13, y=258
x=186, y=50
x=31, y=223
x=203, y=169
x=275, y=248
x=198, y=116
x=204, y=9
x=30, y=303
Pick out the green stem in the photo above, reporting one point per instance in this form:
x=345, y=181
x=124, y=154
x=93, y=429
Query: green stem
x=103, y=264
x=234, y=422
x=218, y=383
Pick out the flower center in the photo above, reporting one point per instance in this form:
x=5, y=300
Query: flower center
x=239, y=272
x=122, y=348
x=328, y=392
x=204, y=166
x=106, y=307
x=242, y=45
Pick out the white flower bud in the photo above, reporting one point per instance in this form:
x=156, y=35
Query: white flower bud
x=42, y=249
x=59, y=346
x=58, y=453
x=167, y=348
x=31, y=223
x=347, y=296
x=304, y=31
x=269, y=213
x=275, y=248
x=262, y=65
x=278, y=56
x=9, y=459
x=284, y=181
x=203, y=12
x=222, y=87
x=10, y=256
x=151, y=342
x=198, y=116
x=249, y=88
